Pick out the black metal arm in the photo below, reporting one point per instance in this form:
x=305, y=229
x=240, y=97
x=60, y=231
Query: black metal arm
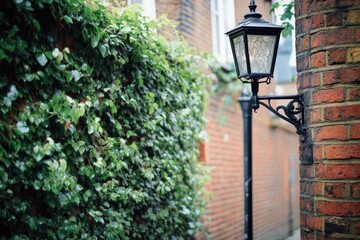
x=289, y=112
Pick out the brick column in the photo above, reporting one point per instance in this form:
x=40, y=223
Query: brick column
x=328, y=58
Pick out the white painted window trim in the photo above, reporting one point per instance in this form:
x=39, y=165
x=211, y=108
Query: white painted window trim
x=225, y=12
x=148, y=6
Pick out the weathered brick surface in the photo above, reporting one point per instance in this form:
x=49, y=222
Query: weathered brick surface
x=355, y=131
x=337, y=132
x=338, y=171
x=328, y=49
x=335, y=190
x=318, y=60
x=338, y=208
x=355, y=190
x=337, y=56
x=329, y=95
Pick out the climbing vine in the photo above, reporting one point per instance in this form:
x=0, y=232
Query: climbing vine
x=100, y=118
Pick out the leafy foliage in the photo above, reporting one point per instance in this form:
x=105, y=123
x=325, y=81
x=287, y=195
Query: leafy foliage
x=99, y=122
x=286, y=16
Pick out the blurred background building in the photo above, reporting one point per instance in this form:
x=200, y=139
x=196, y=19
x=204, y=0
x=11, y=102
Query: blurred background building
x=275, y=143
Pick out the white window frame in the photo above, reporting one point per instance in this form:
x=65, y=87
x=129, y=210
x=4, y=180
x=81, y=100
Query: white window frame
x=222, y=20
x=147, y=5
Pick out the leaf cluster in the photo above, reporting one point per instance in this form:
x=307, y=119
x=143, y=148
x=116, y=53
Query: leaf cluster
x=100, y=118
x=286, y=16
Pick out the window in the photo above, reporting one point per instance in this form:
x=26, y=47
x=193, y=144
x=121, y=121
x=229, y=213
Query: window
x=148, y=6
x=222, y=19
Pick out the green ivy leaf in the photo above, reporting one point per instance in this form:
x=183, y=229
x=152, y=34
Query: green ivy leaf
x=22, y=127
x=76, y=75
x=63, y=164
x=103, y=50
x=67, y=19
x=55, y=52
x=42, y=60
x=94, y=40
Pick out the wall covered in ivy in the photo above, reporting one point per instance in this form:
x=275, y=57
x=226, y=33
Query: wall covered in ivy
x=100, y=118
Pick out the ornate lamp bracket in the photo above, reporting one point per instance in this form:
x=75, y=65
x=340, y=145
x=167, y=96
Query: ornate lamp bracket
x=293, y=112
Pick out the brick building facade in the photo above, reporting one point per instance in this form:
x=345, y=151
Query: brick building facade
x=275, y=145
x=275, y=148
x=328, y=57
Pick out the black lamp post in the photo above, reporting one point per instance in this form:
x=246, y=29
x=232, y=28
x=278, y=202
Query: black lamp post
x=254, y=43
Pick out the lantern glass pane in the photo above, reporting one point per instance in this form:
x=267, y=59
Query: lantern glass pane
x=239, y=47
x=261, y=52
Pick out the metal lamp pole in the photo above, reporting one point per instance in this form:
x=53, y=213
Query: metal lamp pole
x=246, y=107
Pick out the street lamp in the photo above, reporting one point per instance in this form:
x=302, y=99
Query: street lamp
x=254, y=43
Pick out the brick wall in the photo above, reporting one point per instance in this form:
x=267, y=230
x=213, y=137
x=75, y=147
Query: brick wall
x=275, y=166
x=328, y=57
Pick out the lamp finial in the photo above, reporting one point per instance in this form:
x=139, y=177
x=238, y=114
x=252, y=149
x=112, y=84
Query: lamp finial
x=252, y=6
x=252, y=13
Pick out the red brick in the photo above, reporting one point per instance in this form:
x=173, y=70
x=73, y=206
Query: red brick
x=320, y=236
x=350, y=75
x=305, y=235
x=334, y=19
x=318, y=60
x=302, y=63
x=354, y=94
x=335, y=190
x=336, y=132
x=303, y=220
x=342, y=151
x=306, y=204
x=338, y=171
x=315, y=115
x=329, y=96
x=302, y=25
x=357, y=227
x=353, y=17
x=355, y=190
x=317, y=21
x=355, y=131
x=307, y=171
x=305, y=42
x=332, y=77
x=302, y=7
x=315, y=80
x=337, y=56
x=332, y=208
x=347, y=75
x=317, y=153
x=348, y=3
x=320, y=5
x=342, y=113
x=311, y=188
x=335, y=36
x=309, y=80
x=315, y=223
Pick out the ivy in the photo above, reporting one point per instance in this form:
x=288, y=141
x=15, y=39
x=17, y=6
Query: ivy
x=287, y=14
x=100, y=118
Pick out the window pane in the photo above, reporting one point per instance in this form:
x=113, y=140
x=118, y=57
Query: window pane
x=137, y=2
x=217, y=31
x=216, y=5
x=240, y=54
x=261, y=52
